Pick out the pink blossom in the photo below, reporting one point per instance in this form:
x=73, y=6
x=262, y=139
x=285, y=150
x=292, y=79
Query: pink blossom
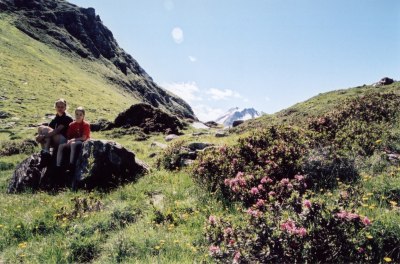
x=227, y=181
x=260, y=203
x=351, y=216
x=260, y=187
x=301, y=231
x=289, y=226
x=236, y=257
x=254, y=213
x=212, y=220
x=299, y=177
x=284, y=181
x=232, y=241
x=234, y=161
x=263, y=180
x=360, y=250
x=271, y=193
x=290, y=186
x=366, y=221
x=254, y=191
x=342, y=214
x=307, y=203
x=214, y=250
x=228, y=231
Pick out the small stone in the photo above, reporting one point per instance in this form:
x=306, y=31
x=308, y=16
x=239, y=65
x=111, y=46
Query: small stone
x=220, y=134
x=171, y=137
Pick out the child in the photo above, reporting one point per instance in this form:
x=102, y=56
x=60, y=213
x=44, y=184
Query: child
x=56, y=133
x=78, y=132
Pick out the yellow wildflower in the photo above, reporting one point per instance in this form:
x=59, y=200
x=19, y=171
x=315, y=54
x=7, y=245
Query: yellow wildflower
x=369, y=236
x=393, y=203
x=378, y=141
x=157, y=247
x=18, y=226
x=387, y=259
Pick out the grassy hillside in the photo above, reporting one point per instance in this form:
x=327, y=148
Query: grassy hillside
x=33, y=76
x=215, y=211
x=300, y=113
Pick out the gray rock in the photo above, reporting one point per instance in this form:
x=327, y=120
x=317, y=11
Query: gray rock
x=221, y=134
x=195, y=146
x=101, y=164
x=196, y=134
x=4, y=115
x=158, y=144
x=237, y=122
x=171, y=137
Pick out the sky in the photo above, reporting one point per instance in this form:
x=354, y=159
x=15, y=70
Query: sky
x=265, y=54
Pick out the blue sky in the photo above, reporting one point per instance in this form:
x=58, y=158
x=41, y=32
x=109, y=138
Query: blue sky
x=266, y=54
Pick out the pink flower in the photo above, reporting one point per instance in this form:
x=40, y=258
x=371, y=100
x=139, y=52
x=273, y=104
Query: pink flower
x=212, y=220
x=289, y=226
x=254, y=213
x=360, y=250
x=299, y=177
x=351, y=216
x=263, y=180
x=234, y=161
x=260, y=187
x=227, y=181
x=228, y=231
x=254, y=191
x=342, y=214
x=290, y=186
x=307, y=203
x=366, y=221
x=284, y=181
x=260, y=203
x=236, y=257
x=301, y=231
x=271, y=193
x=214, y=250
x=222, y=149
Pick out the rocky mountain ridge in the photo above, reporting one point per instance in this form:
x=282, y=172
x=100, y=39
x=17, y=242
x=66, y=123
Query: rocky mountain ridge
x=80, y=32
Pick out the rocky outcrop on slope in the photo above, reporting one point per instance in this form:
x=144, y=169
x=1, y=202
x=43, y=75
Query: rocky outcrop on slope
x=148, y=118
x=101, y=164
x=80, y=31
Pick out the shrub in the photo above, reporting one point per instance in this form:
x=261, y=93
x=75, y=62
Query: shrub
x=9, y=148
x=275, y=153
x=324, y=168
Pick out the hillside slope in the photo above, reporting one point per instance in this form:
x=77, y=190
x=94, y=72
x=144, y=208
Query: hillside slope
x=79, y=35
x=319, y=105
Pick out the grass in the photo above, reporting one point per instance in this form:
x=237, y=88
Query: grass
x=158, y=219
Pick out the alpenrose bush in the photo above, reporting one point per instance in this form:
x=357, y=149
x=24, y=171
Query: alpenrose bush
x=275, y=234
x=357, y=123
x=266, y=155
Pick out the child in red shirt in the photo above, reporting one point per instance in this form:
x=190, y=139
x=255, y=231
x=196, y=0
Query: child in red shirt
x=78, y=132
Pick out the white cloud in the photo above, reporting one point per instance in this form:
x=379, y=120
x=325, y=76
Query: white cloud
x=188, y=91
x=177, y=35
x=168, y=5
x=207, y=113
x=218, y=94
x=192, y=59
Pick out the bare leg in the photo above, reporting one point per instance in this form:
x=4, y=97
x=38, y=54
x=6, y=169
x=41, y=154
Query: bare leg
x=74, y=146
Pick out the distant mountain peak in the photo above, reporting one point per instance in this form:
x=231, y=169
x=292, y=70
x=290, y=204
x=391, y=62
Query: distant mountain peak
x=236, y=113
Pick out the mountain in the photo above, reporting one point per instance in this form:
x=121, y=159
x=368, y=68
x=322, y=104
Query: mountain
x=79, y=34
x=235, y=113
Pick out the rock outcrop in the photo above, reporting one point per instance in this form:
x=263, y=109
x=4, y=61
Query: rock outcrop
x=79, y=31
x=150, y=119
x=101, y=164
x=384, y=81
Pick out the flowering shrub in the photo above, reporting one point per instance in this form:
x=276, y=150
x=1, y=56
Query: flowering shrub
x=315, y=235
x=357, y=123
x=244, y=171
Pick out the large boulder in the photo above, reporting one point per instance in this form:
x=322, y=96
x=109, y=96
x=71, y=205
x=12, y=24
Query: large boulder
x=384, y=81
x=101, y=164
x=150, y=119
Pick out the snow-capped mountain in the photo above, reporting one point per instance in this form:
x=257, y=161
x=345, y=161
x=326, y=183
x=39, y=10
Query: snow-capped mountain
x=236, y=113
